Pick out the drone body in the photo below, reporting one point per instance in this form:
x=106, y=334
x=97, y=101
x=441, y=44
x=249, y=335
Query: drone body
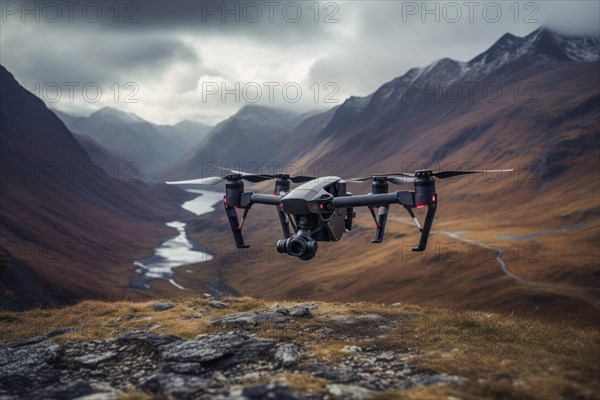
x=322, y=210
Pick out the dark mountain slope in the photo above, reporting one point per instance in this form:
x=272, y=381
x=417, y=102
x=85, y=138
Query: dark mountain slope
x=65, y=221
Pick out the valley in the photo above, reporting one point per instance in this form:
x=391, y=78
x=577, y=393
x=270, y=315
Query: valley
x=524, y=243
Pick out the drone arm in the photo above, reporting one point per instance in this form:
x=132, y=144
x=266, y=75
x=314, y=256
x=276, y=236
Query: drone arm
x=404, y=197
x=257, y=198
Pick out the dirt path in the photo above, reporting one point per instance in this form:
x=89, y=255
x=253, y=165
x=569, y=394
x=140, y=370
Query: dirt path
x=504, y=266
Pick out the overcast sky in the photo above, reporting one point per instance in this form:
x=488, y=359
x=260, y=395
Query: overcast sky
x=169, y=61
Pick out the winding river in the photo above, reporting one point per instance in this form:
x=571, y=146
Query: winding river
x=178, y=250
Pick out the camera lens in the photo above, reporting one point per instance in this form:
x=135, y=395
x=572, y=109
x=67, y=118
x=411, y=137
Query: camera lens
x=303, y=247
x=297, y=247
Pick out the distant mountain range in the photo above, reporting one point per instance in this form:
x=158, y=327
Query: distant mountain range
x=130, y=138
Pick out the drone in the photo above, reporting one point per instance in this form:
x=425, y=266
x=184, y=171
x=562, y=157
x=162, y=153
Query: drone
x=321, y=210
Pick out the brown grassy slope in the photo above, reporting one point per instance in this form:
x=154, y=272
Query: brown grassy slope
x=451, y=273
x=502, y=356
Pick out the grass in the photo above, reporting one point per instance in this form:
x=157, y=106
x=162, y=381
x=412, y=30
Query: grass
x=501, y=356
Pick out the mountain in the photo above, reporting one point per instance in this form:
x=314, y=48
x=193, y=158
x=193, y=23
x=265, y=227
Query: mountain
x=525, y=242
x=189, y=131
x=68, y=228
x=151, y=147
x=109, y=160
x=250, y=349
x=426, y=98
x=247, y=140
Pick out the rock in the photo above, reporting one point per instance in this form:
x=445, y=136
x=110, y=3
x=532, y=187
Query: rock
x=176, y=385
x=251, y=318
x=102, y=392
x=24, y=368
x=278, y=308
x=219, y=377
x=162, y=306
x=327, y=331
x=273, y=390
x=154, y=340
x=362, y=319
x=331, y=374
x=36, y=339
x=300, y=310
x=153, y=327
x=349, y=391
x=192, y=368
x=251, y=377
x=92, y=360
x=221, y=350
x=72, y=390
x=438, y=379
x=207, y=295
x=217, y=304
x=352, y=349
x=386, y=356
x=287, y=355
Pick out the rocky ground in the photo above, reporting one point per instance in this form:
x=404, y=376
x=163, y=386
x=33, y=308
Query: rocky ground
x=246, y=351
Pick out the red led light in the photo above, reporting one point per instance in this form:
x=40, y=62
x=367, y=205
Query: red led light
x=421, y=206
x=321, y=206
x=224, y=199
x=433, y=197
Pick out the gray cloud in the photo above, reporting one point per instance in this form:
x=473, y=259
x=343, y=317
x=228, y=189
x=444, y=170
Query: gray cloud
x=85, y=56
x=279, y=21
x=170, y=49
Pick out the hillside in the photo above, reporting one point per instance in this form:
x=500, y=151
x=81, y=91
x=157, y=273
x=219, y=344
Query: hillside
x=203, y=347
x=68, y=229
x=543, y=219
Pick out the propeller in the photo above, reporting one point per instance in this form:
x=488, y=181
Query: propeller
x=264, y=177
x=452, y=173
x=424, y=174
x=213, y=180
x=392, y=179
